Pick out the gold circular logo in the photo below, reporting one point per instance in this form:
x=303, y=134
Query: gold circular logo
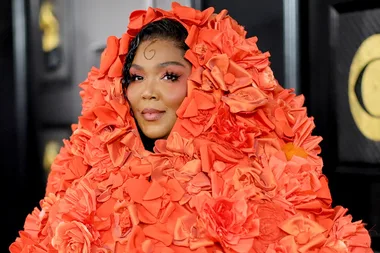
x=364, y=88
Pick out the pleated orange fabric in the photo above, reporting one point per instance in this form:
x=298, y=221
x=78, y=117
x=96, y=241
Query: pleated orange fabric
x=240, y=171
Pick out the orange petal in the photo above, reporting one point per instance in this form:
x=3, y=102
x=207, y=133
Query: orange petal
x=167, y=212
x=109, y=54
x=324, y=192
x=106, y=209
x=133, y=214
x=158, y=233
x=191, y=109
x=116, y=69
x=221, y=60
x=136, y=238
x=145, y=216
x=204, y=101
x=137, y=189
x=124, y=44
x=106, y=114
x=193, y=36
x=153, y=206
x=147, y=246
x=121, y=109
x=155, y=191
x=175, y=190
x=118, y=153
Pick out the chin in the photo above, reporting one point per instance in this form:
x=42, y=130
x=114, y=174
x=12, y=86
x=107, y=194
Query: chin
x=155, y=135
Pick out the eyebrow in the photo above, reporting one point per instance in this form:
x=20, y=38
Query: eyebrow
x=161, y=65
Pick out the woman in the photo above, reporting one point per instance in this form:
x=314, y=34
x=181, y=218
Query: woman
x=155, y=77
x=187, y=143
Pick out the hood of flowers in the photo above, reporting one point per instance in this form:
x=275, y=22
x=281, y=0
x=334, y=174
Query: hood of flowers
x=240, y=171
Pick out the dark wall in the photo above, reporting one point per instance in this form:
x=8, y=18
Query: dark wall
x=20, y=177
x=8, y=134
x=331, y=33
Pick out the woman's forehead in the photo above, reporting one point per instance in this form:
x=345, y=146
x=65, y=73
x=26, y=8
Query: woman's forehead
x=158, y=52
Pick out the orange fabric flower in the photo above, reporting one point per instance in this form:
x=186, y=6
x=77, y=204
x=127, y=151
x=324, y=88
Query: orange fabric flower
x=239, y=172
x=227, y=74
x=346, y=235
x=191, y=16
x=201, y=47
x=228, y=129
x=271, y=216
x=304, y=234
x=245, y=100
x=25, y=244
x=109, y=55
x=228, y=221
x=72, y=237
x=195, y=114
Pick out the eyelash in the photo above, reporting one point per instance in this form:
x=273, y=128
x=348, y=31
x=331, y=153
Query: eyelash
x=170, y=77
x=134, y=76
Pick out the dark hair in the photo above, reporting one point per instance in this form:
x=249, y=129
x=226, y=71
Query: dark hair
x=166, y=29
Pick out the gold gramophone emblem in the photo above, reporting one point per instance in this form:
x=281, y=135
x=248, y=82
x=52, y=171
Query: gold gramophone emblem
x=49, y=25
x=364, y=88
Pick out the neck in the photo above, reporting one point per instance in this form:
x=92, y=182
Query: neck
x=147, y=142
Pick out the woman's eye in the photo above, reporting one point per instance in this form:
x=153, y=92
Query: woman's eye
x=171, y=77
x=136, y=78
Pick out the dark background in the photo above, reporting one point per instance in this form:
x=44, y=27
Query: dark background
x=22, y=178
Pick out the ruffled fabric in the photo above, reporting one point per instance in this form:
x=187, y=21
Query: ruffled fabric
x=240, y=171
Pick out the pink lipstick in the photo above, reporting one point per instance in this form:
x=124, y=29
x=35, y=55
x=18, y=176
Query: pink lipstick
x=150, y=114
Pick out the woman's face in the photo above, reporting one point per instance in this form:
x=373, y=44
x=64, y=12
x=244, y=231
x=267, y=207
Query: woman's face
x=158, y=86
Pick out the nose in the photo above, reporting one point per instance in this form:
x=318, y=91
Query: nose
x=149, y=90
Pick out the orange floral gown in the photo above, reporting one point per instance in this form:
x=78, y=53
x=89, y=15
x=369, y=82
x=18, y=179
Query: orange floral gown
x=240, y=171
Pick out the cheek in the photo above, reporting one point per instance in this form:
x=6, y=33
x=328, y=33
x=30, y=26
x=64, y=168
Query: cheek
x=175, y=94
x=132, y=95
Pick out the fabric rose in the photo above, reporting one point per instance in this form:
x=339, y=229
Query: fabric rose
x=228, y=220
x=227, y=74
x=304, y=234
x=347, y=236
x=195, y=114
x=228, y=129
x=223, y=158
x=79, y=202
x=192, y=16
x=271, y=216
x=125, y=218
x=109, y=55
x=265, y=79
x=245, y=100
x=189, y=232
x=26, y=244
x=201, y=47
x=222, y=21
x=78, y=141
x=73, y=237
x=91, y=96
x=65, y=169
x=259, y=180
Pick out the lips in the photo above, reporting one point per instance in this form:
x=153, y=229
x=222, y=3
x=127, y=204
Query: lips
x=150, y=114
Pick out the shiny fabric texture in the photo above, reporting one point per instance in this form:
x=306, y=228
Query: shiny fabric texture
x=240, y=171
